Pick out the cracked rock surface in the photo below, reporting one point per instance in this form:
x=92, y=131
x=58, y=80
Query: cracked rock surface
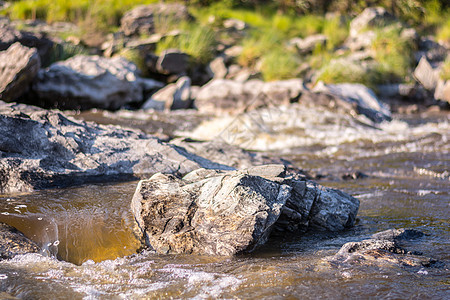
x=42, y=149
x=225, y=213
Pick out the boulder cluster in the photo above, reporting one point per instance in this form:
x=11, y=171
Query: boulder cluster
x=106, y=80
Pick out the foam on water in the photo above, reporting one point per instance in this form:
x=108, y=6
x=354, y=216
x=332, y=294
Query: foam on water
x=295, y=126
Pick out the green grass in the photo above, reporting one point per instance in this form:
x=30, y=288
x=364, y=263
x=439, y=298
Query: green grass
x=64, y=51
x=196, y=40
x=394, y=54
x=343, y=70
x=443, y=32
x=445, y=71
x=279, y=64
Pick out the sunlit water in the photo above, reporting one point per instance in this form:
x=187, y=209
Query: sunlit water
x=407, y=164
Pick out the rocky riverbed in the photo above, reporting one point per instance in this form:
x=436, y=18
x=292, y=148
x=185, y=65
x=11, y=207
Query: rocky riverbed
x=198, y=181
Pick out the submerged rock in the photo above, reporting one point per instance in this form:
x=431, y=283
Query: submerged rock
x=41, y=149
x=13, y=242
x=84, y=82
x=226, y=213
x=383, y=249
x=18, y=67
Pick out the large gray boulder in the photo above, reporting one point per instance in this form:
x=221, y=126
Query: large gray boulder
x=41, y=149
x=426, y=75
x=84, y=82
x=172, y=61
x=226, y=213
x=9, y=35
x=362, y=97
x=230, y=96
x=142, y=19
x=14, y=242
x=18, y=67
x=173, y=96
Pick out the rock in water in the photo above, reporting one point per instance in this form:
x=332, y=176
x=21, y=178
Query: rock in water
x=13, y=242
x=226, y=213
x=84, y=82
x=383, y=249
x=362, y=97
x=41, y=149
x=18, y=67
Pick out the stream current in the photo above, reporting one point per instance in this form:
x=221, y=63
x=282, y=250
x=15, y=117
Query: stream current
x=90, y=251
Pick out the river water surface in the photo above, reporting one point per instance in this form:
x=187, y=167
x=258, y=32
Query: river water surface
x=399, y=171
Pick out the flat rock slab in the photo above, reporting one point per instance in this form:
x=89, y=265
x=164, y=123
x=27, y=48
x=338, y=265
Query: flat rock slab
x=42, y=149
x=13, y=242
x=225, y=213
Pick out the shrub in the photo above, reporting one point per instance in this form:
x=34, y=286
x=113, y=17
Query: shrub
x=278, y=64
x=336, y=31
x=343, y=70
x=64, y=51
x=196, y=40
x=445, y=71
x=393, y=53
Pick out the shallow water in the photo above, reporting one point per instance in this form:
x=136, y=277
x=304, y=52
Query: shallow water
x=407, y=164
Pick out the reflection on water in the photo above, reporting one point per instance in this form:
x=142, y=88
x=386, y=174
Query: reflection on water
x=76, y=224
x=407, y=186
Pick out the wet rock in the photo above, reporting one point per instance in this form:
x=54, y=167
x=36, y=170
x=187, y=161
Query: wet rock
x=231, y=96
x=426, y=74
x=14, y=242
x=42, y=149
x=84, y=82
x=224, y=153
x=172, y=61
x=142, y=19
x=225, y=213
x=362, y=97
x=173, y=96
x=354, y=176
x=396, y=235
x=308, y=44
x=383, y=249
x=18, y=67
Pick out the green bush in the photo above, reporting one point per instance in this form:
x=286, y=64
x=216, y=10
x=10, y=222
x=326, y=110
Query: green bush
x=196, y=40
x=343, y=70
x=394, y=54
x=278, y=64
x=64, y=51
x=445, y=71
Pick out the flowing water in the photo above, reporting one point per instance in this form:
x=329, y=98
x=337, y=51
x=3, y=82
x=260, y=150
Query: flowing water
x=90, y=249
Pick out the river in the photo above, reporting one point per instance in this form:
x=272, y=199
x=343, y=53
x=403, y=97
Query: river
x=398, y=170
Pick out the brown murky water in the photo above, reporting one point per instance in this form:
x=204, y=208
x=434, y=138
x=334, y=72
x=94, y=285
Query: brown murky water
x=407, y=186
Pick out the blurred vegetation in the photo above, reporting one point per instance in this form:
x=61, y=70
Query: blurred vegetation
x=272, y=24
x=445, y=71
